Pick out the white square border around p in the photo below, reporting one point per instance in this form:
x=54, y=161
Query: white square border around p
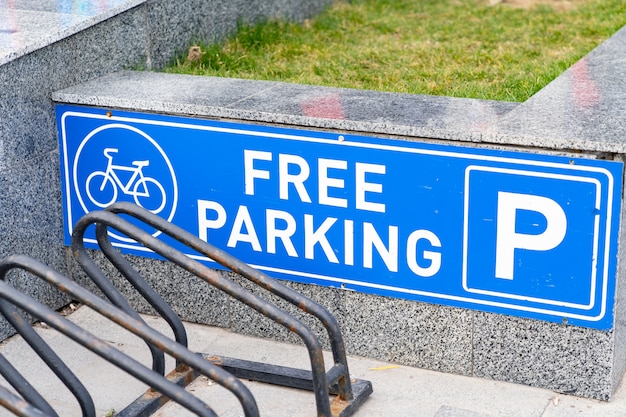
x=576, y=178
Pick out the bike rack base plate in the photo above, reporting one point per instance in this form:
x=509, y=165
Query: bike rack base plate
x=151, y=401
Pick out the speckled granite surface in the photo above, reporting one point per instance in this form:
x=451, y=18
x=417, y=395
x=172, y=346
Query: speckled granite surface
x=29, y=25
x=292, y=104
x=582, y=109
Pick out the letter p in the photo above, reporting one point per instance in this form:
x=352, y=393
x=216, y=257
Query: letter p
x=508, y=240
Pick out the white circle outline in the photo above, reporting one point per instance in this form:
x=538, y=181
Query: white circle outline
x=149, y=139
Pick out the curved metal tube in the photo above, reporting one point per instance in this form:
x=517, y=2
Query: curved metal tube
x=23, y=387
x=139, y=328
x=140, y=284
x=18, y=406
x=116, y=297
x=233, y=289
x=10, y=296
x=268, y=283
x=51, y=359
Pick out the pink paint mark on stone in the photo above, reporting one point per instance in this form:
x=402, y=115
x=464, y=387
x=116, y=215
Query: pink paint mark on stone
x=328, y=107
x=585, y=89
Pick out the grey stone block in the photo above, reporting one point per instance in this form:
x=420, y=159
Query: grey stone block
x=249, y=322
x=375, y=112
x=69, y=7
x=409, y=332
x=292, y=104
x=156, y=92
x=29, y=212
x=35, y=25
x=26, y=111
x=34, y=198
x=190, y=297
x=112, y=45
x=567, y=359
x=583, y=108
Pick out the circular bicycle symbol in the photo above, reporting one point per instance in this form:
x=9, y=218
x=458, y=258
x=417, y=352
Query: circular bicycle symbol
x=103, y=186
x=119, y=162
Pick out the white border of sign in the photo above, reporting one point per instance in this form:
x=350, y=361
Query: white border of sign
x=340, y=141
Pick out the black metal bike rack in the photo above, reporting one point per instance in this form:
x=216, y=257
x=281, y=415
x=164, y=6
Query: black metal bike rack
x=171, y=386
x=335, y=381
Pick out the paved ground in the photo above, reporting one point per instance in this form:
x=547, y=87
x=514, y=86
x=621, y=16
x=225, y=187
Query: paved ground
x=398, y=390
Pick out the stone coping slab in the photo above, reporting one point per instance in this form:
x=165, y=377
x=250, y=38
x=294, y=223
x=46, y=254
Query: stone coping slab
x=28, y=25
x=291, y=104
x=581, y=110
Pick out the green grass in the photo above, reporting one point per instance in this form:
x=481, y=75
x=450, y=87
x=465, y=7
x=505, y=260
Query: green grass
x=460, y=48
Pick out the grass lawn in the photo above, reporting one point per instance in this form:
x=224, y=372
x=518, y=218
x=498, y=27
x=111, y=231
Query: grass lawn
x=488, y=49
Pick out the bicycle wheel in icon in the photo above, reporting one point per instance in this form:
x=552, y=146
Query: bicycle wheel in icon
x=101, y=189
x=149, y=194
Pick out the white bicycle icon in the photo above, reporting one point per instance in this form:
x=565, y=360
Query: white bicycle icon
x=102, y=186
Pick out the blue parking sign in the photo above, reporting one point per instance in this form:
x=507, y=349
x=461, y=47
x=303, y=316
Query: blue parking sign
x=511, y=232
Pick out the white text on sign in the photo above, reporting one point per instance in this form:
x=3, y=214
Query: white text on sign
x=280, y=226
